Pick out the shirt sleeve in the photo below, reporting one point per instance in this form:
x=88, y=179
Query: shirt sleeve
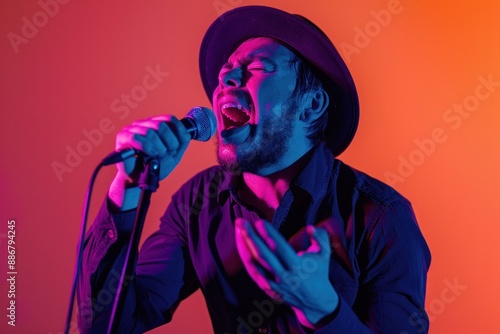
x=391, y=296
x=164, y=273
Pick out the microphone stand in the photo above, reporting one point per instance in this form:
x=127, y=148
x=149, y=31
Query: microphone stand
x=149, y=183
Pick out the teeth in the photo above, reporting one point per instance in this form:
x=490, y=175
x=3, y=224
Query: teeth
x=233, y=117
x=231, y=105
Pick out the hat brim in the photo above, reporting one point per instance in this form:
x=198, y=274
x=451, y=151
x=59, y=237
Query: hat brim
x=242, y=23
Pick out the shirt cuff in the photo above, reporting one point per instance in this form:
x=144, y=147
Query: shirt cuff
x=122, y=222
x=343, y=320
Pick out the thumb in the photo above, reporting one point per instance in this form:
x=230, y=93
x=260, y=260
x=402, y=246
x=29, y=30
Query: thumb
x=320, y=241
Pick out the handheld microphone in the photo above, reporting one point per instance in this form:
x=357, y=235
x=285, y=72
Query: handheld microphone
x=200, y=123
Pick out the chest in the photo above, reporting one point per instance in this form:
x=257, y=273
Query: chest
x=222, y=275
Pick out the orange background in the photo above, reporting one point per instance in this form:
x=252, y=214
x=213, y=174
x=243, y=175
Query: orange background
x=408, y=71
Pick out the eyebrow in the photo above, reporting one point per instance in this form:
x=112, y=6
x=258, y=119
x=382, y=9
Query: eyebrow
x=245, y=60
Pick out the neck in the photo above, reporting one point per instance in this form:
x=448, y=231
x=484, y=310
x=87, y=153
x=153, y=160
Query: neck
x=265, y=192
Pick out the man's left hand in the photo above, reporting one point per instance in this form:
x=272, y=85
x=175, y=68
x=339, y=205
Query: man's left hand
x=298, y=279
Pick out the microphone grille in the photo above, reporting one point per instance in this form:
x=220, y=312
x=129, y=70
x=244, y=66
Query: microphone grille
x=205, y=121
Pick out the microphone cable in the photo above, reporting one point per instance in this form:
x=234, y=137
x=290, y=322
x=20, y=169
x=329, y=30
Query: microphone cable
x=83, y=228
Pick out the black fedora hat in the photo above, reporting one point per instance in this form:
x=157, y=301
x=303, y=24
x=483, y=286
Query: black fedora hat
x=242, y=23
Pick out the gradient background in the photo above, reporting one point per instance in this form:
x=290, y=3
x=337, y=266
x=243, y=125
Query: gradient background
x=428, y=58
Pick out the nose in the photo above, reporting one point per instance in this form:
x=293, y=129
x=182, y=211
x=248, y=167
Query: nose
x=231, y=77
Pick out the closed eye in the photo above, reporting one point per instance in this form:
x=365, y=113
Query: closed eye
x=256, y=69
x=260, y=67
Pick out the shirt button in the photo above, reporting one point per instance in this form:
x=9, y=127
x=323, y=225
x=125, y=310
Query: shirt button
x=111, y=234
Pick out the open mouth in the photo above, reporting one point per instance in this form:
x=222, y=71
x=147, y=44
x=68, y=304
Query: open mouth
x=234, y=115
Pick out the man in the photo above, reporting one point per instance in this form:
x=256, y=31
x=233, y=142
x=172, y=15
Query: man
x=281, y=237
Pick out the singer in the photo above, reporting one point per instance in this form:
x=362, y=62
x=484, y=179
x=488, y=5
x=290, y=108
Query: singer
x=280, y=236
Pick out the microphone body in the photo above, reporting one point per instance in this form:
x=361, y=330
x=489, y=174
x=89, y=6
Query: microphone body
x=200, y=123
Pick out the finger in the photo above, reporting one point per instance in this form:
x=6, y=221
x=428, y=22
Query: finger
x=153, y=122
x=136, y=137
x=277, y=243
x=157, y=121
x=163, y=130
x=167, y=136
x=260, y=227
x=320, y=241
x=163, y=118
x=256, y=248
x=181, y=134
x=276, y=293
x=171, y=131
x=259, y=250
x=249, y=250
x=140, y=138
x=248, y=255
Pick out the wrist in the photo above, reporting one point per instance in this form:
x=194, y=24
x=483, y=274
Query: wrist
x=123, y=194
x=324, y=308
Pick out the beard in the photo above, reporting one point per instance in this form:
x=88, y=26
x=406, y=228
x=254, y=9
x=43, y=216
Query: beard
x=266, y=146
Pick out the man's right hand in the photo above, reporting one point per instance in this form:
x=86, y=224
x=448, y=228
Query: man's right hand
x=163, y=137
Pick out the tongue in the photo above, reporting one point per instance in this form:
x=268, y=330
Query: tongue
x=236, y=135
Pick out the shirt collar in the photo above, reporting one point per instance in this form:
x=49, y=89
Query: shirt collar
x=315, y=176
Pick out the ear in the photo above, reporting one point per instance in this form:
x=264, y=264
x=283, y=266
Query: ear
x=314, y=105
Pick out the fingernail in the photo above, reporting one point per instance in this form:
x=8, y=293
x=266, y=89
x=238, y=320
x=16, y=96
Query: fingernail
x=311, y=229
